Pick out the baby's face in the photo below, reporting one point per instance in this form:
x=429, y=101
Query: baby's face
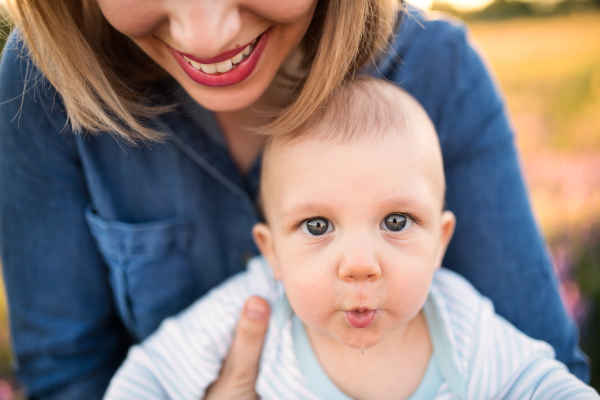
x=355, y=232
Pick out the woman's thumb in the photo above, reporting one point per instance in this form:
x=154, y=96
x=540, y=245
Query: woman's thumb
x=240, y=370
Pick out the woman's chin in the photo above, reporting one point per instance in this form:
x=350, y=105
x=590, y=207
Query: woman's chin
x=226, y=99
x=233, y=97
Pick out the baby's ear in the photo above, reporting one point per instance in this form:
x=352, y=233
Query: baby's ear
x=447, y=225
x=264, y=241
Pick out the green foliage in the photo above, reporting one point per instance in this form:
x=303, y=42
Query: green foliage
x=573, y=110
x=503, y=9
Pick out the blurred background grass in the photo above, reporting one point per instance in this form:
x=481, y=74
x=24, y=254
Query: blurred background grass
x=546, y=56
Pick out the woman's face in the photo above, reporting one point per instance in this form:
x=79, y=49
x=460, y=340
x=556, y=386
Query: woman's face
x=224, y=53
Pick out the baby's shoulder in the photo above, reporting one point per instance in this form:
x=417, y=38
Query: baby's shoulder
x=472, y=319
x=487, y=347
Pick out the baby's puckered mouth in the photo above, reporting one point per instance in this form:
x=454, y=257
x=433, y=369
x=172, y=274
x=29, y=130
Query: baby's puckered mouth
x=360, y=317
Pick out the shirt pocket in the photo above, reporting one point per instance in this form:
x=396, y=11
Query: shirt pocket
x=149, y=268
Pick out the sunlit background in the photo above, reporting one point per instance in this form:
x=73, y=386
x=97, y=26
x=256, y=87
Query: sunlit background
x=546, y=57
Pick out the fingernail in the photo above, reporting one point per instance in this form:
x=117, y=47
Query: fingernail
x=255, y=309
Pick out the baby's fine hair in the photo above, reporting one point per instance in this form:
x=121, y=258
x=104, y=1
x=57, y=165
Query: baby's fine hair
x=364, y=108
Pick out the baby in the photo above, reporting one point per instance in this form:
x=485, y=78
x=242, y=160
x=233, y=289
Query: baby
x=352, y=243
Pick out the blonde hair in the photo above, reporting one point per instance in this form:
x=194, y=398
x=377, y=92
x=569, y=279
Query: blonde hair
x=73, y=45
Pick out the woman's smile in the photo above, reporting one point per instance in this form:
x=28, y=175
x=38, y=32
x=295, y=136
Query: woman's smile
x=227, y=68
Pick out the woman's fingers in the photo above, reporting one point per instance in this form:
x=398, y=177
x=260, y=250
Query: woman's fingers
x=240, y=370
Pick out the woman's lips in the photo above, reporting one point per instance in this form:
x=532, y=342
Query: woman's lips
x=360, y=319
x=220, y=57
x=237, y=74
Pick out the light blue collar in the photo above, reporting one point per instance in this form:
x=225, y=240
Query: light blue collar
x=438, y=369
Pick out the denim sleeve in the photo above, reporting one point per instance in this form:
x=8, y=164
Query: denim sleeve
x=497, y=245
x=65, y=334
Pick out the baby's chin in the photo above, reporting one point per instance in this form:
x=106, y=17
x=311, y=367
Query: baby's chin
x=361, y=339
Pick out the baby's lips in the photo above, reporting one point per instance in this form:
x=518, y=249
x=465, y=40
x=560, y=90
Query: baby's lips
x=360, y=318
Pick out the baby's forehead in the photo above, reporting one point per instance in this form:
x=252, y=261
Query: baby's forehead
x=281, y=150
x=284, y=159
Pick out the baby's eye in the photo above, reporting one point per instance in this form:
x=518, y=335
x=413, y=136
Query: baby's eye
x=396, y=222
x=316, y=226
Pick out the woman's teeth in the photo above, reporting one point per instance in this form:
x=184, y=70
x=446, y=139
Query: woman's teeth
x=237, y=59
x=223, y=66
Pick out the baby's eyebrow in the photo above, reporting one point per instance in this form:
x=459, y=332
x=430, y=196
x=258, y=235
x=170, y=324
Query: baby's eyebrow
x=309, y=208
x=326, y=209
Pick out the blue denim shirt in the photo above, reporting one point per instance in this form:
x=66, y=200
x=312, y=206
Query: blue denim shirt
x=101, y=241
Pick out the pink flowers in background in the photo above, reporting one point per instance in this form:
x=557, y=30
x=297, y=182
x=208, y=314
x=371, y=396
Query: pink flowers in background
x=565, y=192
x=577, y=304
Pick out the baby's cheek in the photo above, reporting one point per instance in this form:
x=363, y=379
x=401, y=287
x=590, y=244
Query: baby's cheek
x=410, y=292
x=310, y=298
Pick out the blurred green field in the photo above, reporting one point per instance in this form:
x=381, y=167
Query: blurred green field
x=549, y=69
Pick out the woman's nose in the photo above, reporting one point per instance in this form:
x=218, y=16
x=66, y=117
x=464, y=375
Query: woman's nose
x=204, y=27
x=359, y=263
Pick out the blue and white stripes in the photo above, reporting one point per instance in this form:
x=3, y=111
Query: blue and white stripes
x=487, y=358
x=503, y=363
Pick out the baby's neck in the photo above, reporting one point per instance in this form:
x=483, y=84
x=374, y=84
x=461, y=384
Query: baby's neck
x=392, y=369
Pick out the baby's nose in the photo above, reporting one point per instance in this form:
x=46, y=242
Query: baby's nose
x=358, y=264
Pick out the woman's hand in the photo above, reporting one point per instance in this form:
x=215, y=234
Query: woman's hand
x=240, y=370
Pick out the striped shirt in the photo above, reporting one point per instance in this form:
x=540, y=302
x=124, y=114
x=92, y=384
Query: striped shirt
x=476, y=353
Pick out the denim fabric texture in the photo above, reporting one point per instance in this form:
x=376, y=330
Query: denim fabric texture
x=101, y=241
